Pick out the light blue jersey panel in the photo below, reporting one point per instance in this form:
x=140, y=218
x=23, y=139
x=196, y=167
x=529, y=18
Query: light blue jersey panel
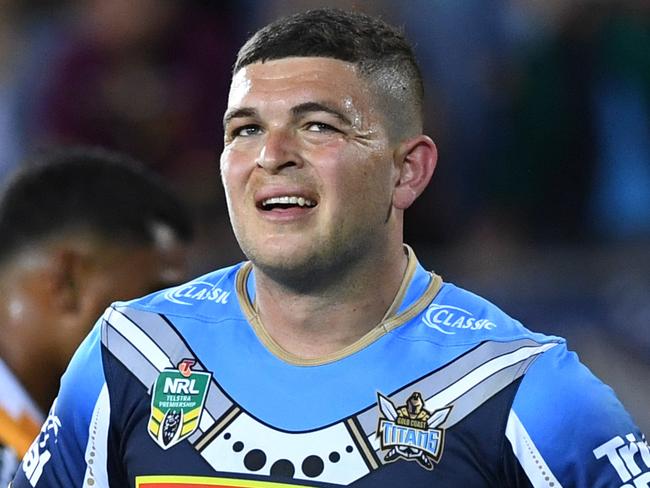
x=322, y=394
x=211, y=297
x=458, y=316
x=571, y=418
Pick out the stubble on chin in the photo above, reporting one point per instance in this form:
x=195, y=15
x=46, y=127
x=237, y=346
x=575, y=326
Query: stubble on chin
x=310, y=271
x=293, y=270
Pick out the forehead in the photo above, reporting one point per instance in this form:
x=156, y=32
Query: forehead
x=293, y=80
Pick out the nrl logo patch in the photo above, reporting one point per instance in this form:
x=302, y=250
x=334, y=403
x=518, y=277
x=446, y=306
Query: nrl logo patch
x=410, y=431
x=176, y=403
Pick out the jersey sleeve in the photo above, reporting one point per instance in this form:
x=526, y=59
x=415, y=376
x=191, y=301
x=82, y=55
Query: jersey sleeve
x=567, y=429
x=70, y=450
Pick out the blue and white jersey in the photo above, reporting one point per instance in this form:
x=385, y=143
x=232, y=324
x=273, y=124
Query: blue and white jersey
x=184, y=388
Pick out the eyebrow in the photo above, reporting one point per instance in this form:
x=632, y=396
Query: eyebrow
x=239, y=113
x=308, y=107
x=296, y=112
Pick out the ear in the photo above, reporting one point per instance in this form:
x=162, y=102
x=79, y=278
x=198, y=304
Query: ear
x=416, y=160
x=67, y=271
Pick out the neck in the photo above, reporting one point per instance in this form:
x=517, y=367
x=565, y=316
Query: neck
x=325, y=320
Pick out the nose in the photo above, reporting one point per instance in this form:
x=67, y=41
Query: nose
x=279, y=151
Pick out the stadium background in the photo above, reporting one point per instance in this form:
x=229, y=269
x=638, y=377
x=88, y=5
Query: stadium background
x=541, y=112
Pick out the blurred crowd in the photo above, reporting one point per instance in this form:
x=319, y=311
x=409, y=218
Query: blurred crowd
x=541, y=112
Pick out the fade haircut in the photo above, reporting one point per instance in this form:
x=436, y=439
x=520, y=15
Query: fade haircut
x=379, y=51
x=89, y=190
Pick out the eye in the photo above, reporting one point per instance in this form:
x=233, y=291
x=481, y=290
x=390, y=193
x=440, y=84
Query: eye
x=245, y=131
x=320, y=127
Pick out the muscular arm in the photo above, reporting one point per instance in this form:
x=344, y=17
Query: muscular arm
x=567, y=428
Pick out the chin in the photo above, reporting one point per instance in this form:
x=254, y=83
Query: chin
x=286, y=261
x=289, y=266
x=303, y=269
x=280, y=251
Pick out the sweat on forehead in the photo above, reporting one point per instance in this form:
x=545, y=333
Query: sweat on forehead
x=301, y=86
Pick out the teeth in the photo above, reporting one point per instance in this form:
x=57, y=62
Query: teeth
x=289, y=200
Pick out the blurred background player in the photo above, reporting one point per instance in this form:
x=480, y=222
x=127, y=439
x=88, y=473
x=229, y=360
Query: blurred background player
x=80, y=228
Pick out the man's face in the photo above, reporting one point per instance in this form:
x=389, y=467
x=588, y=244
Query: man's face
x=122, y=272
x=50, y=300
x=307, y=165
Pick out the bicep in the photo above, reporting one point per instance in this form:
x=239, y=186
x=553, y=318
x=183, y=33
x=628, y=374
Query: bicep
x=567, y=428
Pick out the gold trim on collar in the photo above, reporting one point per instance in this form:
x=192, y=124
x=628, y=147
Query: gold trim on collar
x=387, y=324
x=411, y=266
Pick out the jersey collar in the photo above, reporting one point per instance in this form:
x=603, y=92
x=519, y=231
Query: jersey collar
x=417, y=290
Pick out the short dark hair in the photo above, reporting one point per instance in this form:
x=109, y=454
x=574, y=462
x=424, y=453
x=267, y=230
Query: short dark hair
x=86, y=189
x=380, y=51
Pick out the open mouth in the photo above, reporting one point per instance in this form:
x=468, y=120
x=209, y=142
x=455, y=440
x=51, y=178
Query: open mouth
x=286, y=202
